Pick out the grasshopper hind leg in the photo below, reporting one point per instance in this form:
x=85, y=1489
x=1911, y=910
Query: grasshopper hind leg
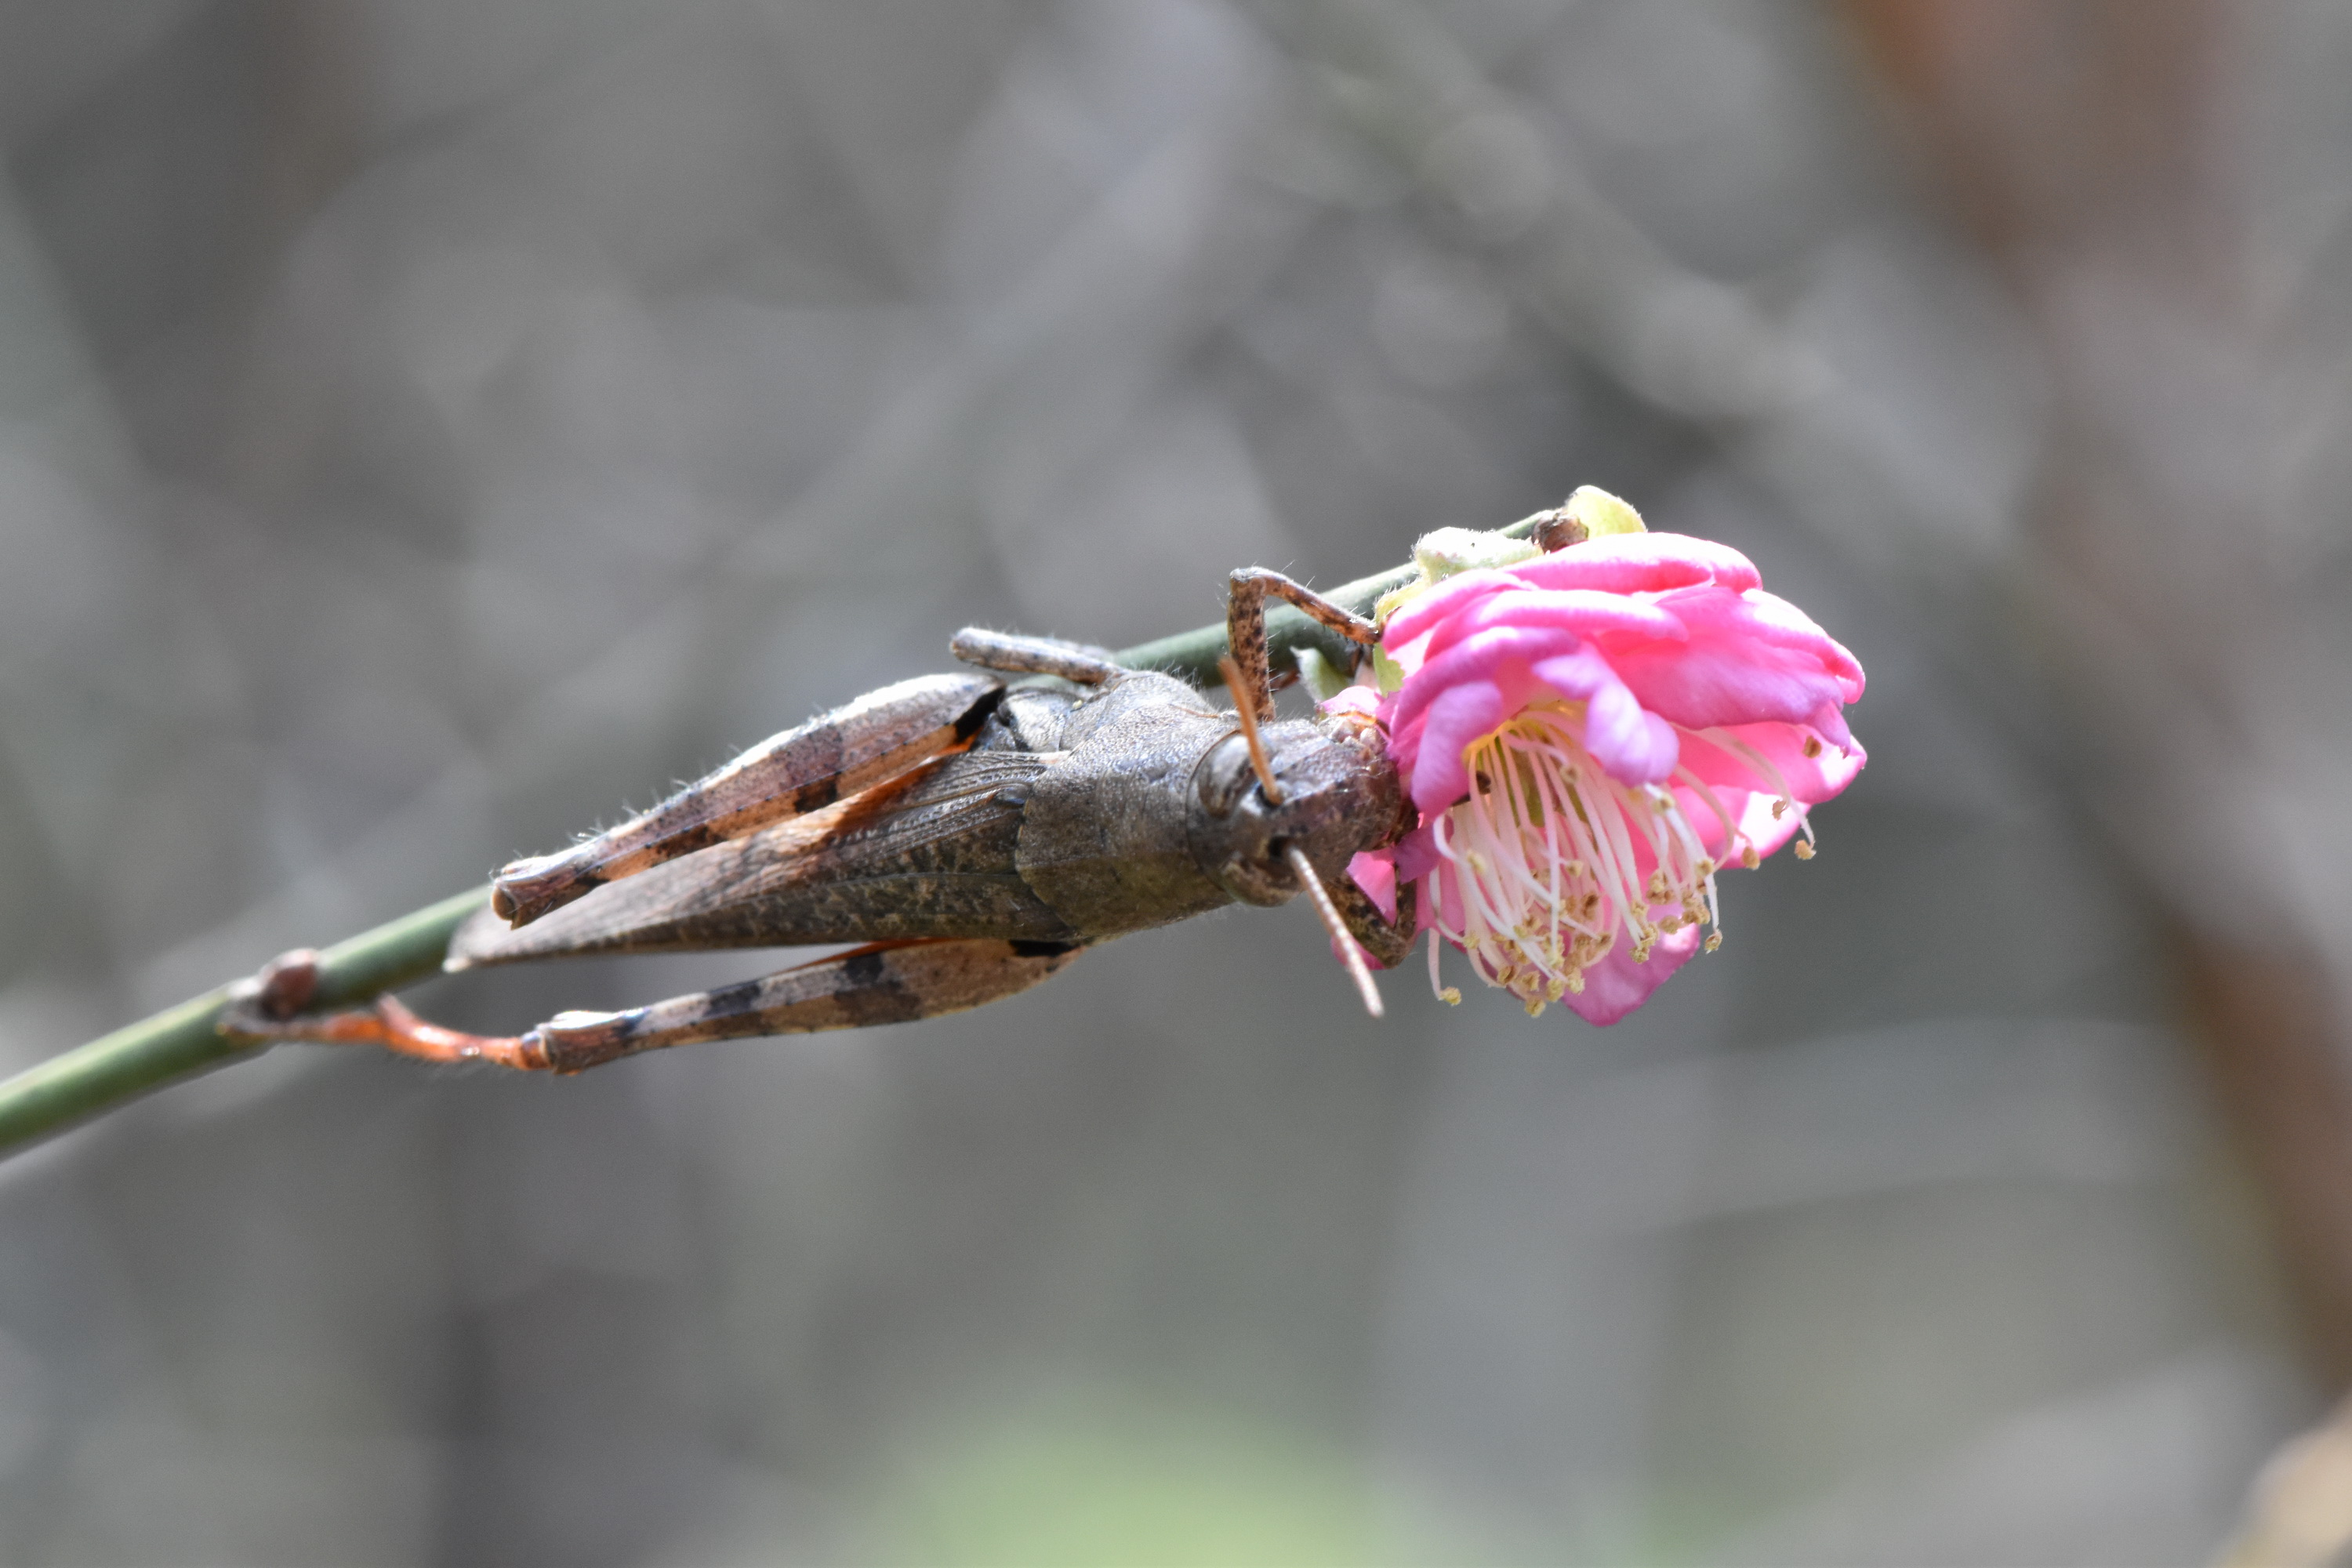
x=885, y=982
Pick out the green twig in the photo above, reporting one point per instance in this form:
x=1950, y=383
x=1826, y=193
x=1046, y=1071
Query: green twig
x=184, y=1041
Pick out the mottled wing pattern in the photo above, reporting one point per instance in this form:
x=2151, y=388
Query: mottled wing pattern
x=929, y=855
x=834, y=756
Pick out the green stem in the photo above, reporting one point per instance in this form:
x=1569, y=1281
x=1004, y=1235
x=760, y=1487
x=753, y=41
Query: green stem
x=184, y=1041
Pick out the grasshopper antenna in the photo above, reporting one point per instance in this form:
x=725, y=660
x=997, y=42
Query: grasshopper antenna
x=1351, y=954
x=1246, y=712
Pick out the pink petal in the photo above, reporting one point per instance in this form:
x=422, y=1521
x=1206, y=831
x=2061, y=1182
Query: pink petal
x=1441, y=897
x=1831, y=722
x=1810, y=779
x=1406, y=654
x=1416, y=855
x=1474, y=658
x=1720, y=678
x=1375, y=872
x=1581, y=610
x=1460, y=715
x=1418, y=614
x=1640, y=563
x=1616, y=984
x=1634, y=747
x=1772, y=621
x=1747, y=794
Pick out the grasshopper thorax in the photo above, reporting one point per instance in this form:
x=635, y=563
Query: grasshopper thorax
x=1339, y=794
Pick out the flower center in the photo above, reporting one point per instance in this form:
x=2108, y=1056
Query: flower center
x=1551, y=858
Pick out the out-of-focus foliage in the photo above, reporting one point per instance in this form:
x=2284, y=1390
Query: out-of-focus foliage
x=1073, y=1487
x=426, y=427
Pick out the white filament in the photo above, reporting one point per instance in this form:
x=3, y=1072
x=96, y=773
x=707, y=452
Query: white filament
x=1546, y=854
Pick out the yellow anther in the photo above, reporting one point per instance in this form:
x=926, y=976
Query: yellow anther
x=1714, y=940
x=1803, y=849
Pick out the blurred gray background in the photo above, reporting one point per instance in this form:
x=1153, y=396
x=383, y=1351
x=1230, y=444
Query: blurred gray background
x=428, y=426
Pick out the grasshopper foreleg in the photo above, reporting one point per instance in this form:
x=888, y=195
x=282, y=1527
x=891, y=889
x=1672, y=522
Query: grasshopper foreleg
x=1245, y=628
x=1387, y=941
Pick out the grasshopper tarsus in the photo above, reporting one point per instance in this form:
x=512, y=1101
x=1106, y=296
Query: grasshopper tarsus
x=391, y=1024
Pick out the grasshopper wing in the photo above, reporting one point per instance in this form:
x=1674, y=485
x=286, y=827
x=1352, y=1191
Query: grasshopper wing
x=928, y=856
x=877, y=738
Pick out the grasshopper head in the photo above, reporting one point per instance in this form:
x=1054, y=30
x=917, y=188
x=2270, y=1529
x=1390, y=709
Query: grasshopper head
x=1339, y=794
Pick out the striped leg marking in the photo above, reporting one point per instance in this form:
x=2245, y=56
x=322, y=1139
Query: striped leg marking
x=888, y=983
x=875, y=739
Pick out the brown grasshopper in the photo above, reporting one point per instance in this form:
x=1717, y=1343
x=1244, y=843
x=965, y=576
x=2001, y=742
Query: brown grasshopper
x=973, y=837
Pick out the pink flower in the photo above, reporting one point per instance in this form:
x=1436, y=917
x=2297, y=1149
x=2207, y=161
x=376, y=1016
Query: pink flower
x=1589, y=736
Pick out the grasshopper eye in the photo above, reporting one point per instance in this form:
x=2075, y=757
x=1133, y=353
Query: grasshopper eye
x=1226, y=777
x=1229, y=770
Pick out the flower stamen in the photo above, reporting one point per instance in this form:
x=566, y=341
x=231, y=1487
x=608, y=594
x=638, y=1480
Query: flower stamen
x=1549, y=856
x=1445, y=994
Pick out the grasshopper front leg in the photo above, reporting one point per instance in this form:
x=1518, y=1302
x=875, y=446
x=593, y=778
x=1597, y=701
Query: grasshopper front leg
x=885, y=982
x=1387, y=941
x=1246, y=628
